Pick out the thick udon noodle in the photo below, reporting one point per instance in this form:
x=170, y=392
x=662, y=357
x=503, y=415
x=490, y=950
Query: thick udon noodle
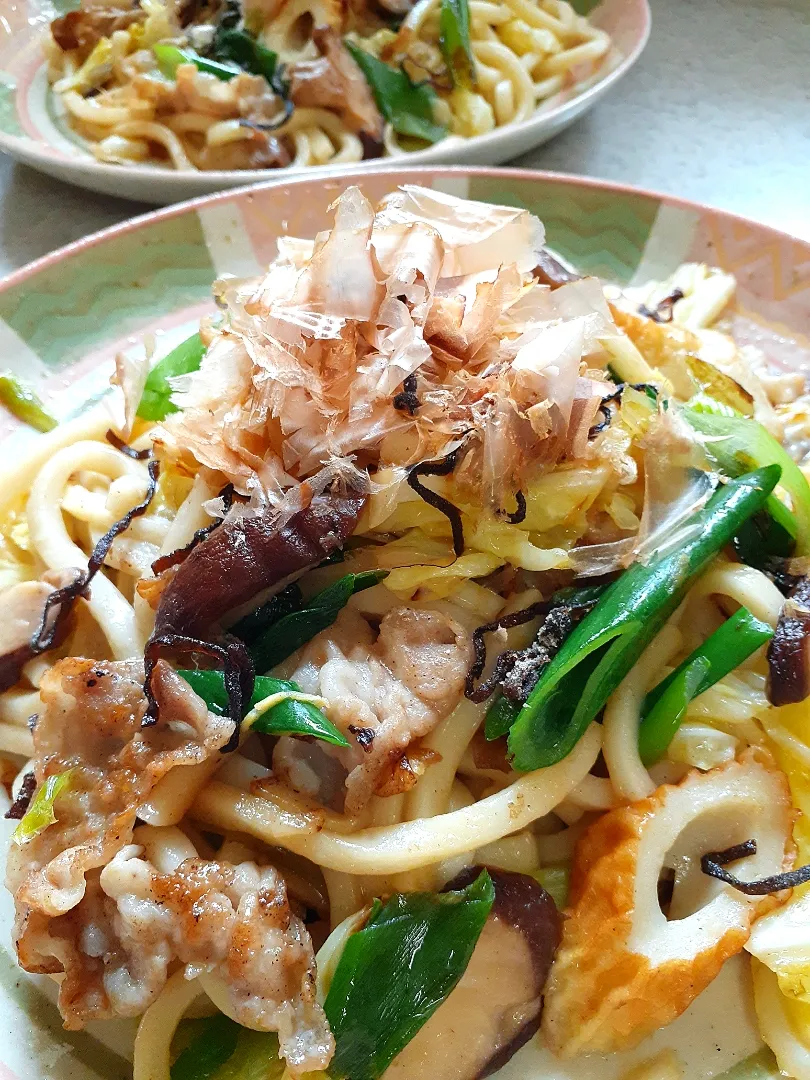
x=74, y=485
x=79, y=485
x=527, y=52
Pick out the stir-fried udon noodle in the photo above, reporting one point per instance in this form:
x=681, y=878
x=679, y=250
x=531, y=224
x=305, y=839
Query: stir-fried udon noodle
x=263, y=84
x=417, y=668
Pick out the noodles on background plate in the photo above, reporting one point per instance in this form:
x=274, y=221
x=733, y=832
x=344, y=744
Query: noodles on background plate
x=251, y=84
x=417, y=668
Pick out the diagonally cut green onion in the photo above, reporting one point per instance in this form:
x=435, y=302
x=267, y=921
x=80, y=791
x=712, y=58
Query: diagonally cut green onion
x=294, y=629
x=735, y=444
x=455, y=43
x=406, y=105
x=41, y=813
x=238, y=47
x=568, y=696
x=212, y=1047
x=503, y=712
x=288, y=717
x=728, y=647
x=220, y=1049
x=170, y=58
x=395, y=972
x=658, y=728
x=21, y=400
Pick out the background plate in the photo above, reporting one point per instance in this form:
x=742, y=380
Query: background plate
x=63, y=318
x=30, y=132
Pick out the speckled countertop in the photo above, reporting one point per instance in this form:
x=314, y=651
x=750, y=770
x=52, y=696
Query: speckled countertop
x=717, y=110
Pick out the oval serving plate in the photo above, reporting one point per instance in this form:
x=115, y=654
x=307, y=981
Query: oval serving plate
x=64, y=317
x=31, y=130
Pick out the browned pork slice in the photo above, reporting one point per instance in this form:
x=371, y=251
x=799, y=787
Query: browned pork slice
x=84, y=28
x=90, y=727
x=334, y=81
x=382, y=694
x=88, y=906
x=234, y=922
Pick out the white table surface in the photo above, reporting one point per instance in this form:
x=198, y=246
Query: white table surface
x=717, y=110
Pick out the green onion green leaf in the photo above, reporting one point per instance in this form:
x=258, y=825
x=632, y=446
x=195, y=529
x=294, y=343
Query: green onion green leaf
x=665, y=706
x=41, y=813
x=170, y=57
x=240, y=48
x=220, y=1049
x=293, y=630
x=289, y=717
x=21, y=400
x=455, y=43
x=735, y=444
x=664, y=718
x=763, y=538
x=503, y=712
x=406, y=105
x=601, y=650
x=251, y=626
x=212, y=1047
x=396, y=971
x=156, y=403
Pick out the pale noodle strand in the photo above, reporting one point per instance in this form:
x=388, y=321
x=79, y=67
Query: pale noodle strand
x=305, y=122
x=594, y=793
x=749, y=587
x=531, y=13
x=165, y=848
x=451, y=736
x=518, y=853
x=345, y=895
x=16, y=740
x=224, y=132
x=174, y=794
x=17, y=479
x=152, y=1060
x=449, y=739
x=500, y=56
x=196, y=122
x=483, y=13
x=18, y=706
x=156, y=133
x=329, y=954
x=89, y=109
x=413, y=844
x=388, y=810
x=49, y=535
x=559, y=847
x=191, y=515
x=588, y=51
x=415, y=19
x=623, y=711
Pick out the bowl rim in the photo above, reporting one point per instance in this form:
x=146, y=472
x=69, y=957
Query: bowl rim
x=164, y=213
x=84, y=165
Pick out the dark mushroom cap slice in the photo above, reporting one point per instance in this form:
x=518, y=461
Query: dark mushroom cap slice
x=496, y=1006
x=248, y=555
x=789, y=650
